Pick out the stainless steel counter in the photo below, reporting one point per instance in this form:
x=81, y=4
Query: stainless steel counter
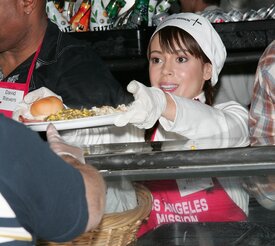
x=182, y=159
x=147, y=162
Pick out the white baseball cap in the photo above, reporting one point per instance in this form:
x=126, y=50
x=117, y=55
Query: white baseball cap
x=204, y=33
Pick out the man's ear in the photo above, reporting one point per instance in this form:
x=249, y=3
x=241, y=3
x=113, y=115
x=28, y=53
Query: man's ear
x=29, y=5
x=207, y=71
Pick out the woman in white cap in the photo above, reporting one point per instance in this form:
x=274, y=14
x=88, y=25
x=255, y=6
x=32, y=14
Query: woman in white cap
x=186, y=56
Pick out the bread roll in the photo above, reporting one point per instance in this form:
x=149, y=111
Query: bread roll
x=46, y=106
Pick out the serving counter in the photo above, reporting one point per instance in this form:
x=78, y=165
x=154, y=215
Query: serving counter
x=185, y=159
x=154, y=161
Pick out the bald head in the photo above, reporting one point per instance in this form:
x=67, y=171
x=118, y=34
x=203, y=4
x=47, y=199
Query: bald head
x=194, y=6
x=28, y=21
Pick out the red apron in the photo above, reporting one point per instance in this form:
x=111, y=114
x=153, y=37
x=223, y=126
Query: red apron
x=184, y=200
x=208, y=205
x=11, y=94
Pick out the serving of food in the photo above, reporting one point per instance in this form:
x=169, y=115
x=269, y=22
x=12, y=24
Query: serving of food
x=51, y=110
x=69, y=114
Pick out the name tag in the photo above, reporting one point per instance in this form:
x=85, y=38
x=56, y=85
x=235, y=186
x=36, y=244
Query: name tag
x=193, y=185
x=9, y=98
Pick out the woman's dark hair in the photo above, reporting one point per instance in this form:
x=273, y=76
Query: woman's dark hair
x=168, y=37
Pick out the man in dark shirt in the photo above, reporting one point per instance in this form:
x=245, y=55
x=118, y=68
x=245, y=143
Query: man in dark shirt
x=41, y=195
x=65, y=65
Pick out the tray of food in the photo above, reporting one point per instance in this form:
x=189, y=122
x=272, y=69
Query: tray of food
x=51, y=110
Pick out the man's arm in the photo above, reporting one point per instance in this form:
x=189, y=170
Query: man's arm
x=262, y=110
x=94, y=184
x=95, y=190
x=51, y=199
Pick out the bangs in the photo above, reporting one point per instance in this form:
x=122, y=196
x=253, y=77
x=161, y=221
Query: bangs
x=172, y=37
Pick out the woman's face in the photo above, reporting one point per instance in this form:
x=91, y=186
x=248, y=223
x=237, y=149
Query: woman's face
x=178, y=73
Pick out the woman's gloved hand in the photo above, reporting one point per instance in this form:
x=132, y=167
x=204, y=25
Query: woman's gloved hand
x=23, y=108
x=60, y=147
x=147, y=108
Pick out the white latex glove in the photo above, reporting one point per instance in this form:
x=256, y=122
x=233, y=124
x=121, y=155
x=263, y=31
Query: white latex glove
x=60, y=147
x=147, y=108
x=23, y=108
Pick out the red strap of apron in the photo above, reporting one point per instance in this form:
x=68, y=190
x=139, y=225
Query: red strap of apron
x=32, y=69
x=23, y=86
x=154, y=134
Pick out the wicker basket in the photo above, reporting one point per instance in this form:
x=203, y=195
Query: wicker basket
x=115, y=229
